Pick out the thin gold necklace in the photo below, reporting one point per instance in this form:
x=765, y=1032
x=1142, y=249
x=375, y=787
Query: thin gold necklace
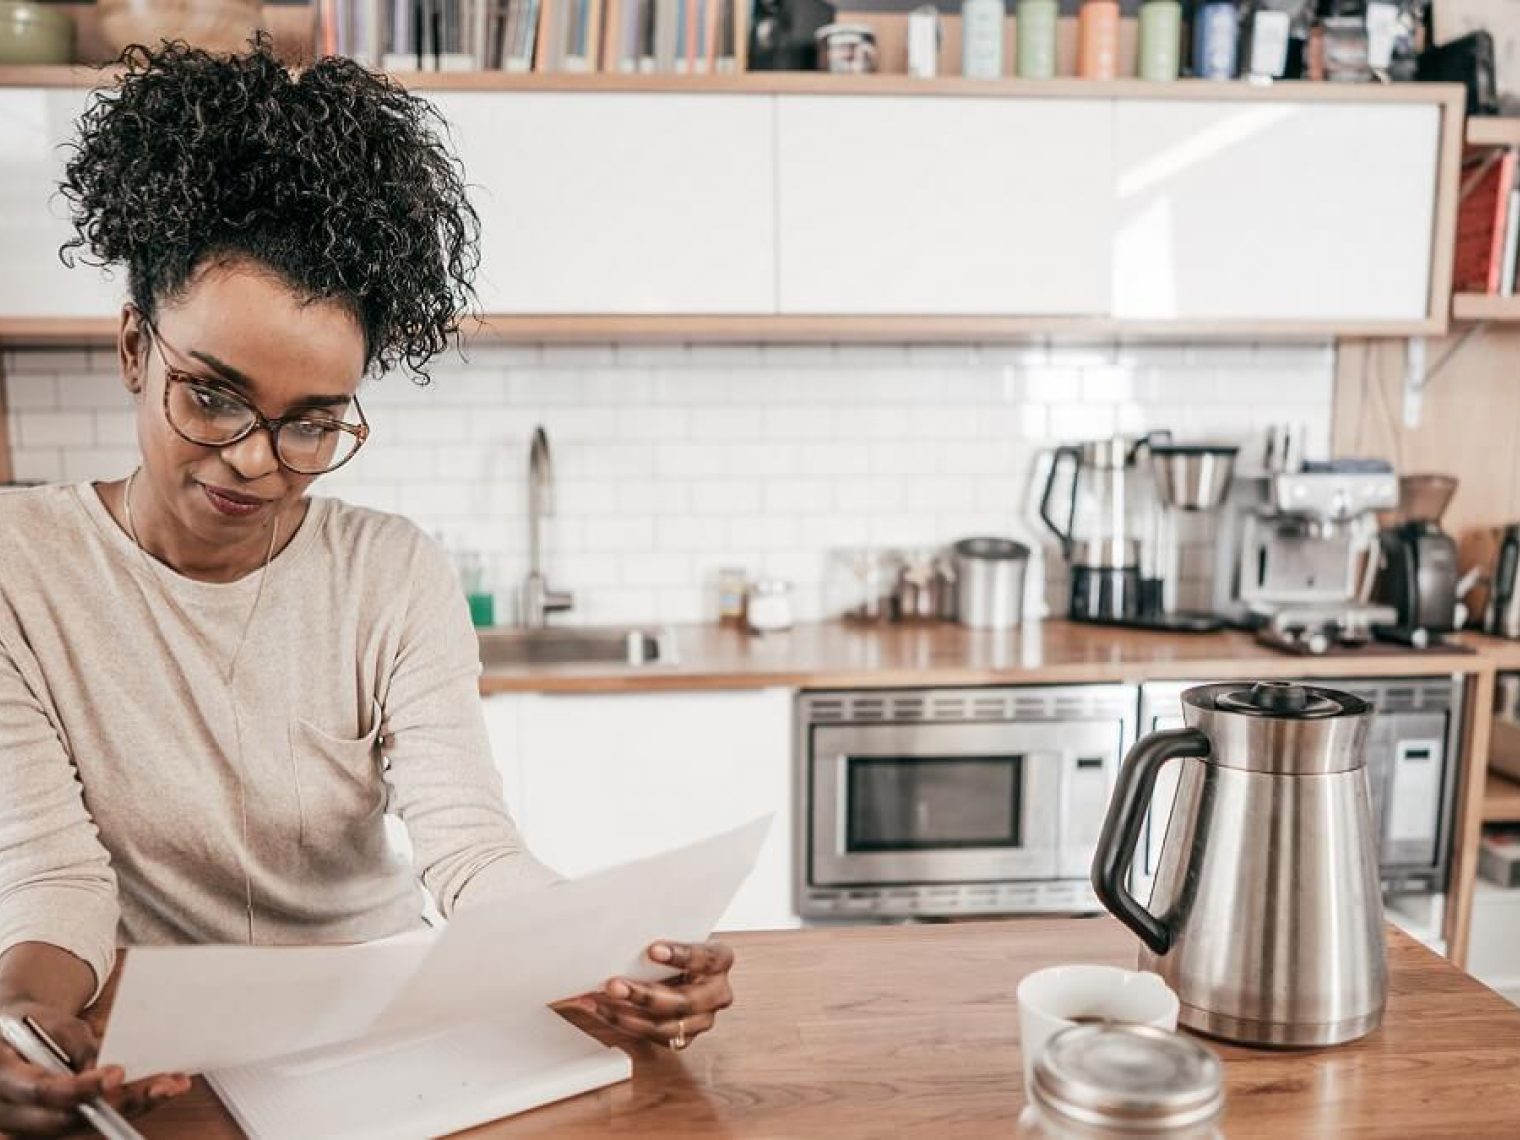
x=274, y=536
x=227, y=679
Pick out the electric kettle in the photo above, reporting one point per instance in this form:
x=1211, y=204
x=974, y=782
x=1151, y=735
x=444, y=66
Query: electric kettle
x=1266, y=917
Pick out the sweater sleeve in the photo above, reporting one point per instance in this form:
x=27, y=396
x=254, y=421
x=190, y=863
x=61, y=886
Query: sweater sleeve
x=56, y=881
x=443, y=781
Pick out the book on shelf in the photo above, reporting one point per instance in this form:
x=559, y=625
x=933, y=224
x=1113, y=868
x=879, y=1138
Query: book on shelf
x=685, y=37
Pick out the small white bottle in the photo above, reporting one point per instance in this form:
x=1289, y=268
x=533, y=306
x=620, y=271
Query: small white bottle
x=982, y=38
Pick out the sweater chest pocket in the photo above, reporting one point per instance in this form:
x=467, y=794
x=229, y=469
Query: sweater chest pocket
x=339, y=783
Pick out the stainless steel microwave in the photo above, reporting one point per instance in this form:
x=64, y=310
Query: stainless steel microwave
x=940, y=802
x=1412, y=753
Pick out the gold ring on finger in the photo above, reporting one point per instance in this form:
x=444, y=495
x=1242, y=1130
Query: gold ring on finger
x=678, y=1042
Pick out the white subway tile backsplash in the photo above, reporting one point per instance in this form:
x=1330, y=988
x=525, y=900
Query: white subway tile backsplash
x=31, y=391
x=116, y=428
x=98, y=463
x=672, y=461
x=55, y=429
x=43, y=463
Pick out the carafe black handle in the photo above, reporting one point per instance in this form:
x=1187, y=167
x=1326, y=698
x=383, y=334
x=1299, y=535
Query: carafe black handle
x=1075, y=454
x=1122, y=825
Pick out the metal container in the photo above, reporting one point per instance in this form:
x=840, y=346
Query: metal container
x=846, y=49
x=1266, y=916
x=1106, y=1080
x=1501, y=616
x=990, y=580
x=1193, y=476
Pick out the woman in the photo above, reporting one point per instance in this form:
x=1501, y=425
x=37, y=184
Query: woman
x=212, y=687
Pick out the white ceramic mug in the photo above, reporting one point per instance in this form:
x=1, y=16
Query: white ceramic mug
x=1054, y=998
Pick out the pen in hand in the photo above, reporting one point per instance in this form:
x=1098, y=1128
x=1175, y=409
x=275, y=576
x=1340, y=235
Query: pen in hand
x=33, y=1042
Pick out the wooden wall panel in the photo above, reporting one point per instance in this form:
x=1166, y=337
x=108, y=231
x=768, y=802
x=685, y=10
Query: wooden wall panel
x=1469, y=424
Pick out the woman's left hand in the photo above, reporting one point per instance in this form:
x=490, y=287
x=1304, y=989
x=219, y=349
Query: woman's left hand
x=672, y=1012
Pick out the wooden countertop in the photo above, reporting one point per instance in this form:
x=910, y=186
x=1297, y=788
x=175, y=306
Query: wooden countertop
x=841, y=655
x=889, y=1031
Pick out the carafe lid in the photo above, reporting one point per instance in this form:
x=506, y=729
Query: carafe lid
x=1281, y=699
x=1280, y=727
x=1131, y=1078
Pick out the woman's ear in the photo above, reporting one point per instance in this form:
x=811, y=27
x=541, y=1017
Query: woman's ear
x=130, y=345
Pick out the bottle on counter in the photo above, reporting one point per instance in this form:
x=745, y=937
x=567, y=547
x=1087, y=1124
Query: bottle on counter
x=1098, y=39
x=982, y=38
x=1267, y=36
x=1216, y=40
x=1035, y=34
x=1160, y=40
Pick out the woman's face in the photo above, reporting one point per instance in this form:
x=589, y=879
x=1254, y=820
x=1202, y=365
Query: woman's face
x=245, y=333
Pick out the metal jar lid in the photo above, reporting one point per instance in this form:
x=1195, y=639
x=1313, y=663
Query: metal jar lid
x=1131, y=1078
x=1279, y=727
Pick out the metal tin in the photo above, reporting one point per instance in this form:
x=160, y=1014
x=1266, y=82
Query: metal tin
x=1130, y=1078
x=846, y=49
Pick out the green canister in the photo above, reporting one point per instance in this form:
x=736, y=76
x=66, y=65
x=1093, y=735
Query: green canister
x=1160, y=39
x=1034, y=30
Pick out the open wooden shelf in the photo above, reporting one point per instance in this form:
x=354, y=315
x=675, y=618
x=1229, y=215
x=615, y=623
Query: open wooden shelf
x=1501, y=799
x=820, y=83
x=24, y=332
x=1493, y=131
x=1484, y=307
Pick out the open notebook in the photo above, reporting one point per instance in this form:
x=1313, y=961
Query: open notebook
x=424, y=1034
x=418, y=1088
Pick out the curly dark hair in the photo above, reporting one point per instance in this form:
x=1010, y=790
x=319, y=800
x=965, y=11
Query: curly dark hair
x=333, y=178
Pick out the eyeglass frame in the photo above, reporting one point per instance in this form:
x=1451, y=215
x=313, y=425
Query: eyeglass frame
x=272, y=425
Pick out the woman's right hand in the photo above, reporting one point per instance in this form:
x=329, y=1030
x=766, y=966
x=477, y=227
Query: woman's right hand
x=36, y=1102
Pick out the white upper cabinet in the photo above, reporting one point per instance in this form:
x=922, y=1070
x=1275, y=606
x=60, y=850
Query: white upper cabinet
x=1253, y=211
x=620, y=203
x=944, y=205
x=34, y=217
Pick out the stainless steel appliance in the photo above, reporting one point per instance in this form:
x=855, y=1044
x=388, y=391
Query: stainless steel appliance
x=1417, y=572
x=1266, y=918
x=1105, y=512
x=1191, y=479
x=989, y=575
x=1297, y=550
x=1501, y=616
x=941, y=802
x=1412, y=758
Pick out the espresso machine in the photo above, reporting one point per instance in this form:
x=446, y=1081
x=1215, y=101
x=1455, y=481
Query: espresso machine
x=1298, y=553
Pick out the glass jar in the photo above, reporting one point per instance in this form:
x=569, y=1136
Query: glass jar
x=770, y=605
x=859, y=584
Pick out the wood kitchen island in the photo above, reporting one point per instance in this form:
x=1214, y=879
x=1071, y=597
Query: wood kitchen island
x=913, y=1030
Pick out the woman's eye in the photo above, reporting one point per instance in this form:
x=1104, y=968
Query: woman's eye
x=212, y=402
x=312, y=429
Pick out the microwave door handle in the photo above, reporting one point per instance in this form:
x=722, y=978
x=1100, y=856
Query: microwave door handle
x=1125, y=821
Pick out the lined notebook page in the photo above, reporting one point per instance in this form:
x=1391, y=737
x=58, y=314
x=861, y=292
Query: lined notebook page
x=432, y=1087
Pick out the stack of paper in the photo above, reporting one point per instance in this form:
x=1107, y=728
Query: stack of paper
x=423, y=1034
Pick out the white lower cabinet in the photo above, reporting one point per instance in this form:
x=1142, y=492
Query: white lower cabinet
x=597, y=780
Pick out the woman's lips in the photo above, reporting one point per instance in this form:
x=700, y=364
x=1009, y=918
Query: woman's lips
x=230, y=503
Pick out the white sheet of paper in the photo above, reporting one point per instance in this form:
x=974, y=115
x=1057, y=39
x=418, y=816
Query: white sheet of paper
x=190, y=1009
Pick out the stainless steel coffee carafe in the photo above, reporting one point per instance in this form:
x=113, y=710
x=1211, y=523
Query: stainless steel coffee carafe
x=1266, y=917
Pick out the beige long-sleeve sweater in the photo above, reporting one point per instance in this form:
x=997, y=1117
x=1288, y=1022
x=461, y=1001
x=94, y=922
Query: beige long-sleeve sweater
x=122, y=749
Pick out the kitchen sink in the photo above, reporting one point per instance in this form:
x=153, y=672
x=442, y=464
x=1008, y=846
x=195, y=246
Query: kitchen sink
x=581, y=645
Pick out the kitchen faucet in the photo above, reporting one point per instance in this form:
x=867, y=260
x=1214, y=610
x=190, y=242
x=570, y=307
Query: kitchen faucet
x=538, y=599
